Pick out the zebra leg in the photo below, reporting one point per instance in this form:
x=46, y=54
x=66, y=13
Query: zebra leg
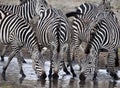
x=111, y=64
x=5, y=67
x=20, y=61
x=3, y=52
x=72, y=70
x=55, y=68
x=95, y=75
x=19, y=58
x=117, y=58
x=72, y=53
x=70, y=62
x=38, y=65
x=53, y=63
x=65, y=68
x=50, y=71
x=23, y=60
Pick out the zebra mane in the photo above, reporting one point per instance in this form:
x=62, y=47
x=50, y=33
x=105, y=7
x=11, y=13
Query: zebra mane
x=74, y=14
x=87, y=49
x=5, y=12
x=92, y=36
x=23, y=1
x=89, y=46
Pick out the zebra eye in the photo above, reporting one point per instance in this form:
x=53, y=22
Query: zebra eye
x=89, y=63
x=42, y=6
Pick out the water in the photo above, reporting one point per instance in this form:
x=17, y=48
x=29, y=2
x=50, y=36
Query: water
x=64, y=81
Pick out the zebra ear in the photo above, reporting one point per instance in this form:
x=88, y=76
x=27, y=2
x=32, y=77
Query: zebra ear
x=64, y=48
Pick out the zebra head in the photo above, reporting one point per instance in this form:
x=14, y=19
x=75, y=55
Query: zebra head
x=58, y=57
x=87, y=67
x=3, y=14
x=23, y=1
x=99, y=17
x=105, y=5
x=41, y=6
x=38, y=64
x=88, y=63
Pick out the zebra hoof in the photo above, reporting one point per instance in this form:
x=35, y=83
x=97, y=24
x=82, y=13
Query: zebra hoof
x=55, y=76
x=2, y=58
x=82, y=77
x=24, y=61
x=74, y=75
x=43, y=76
x=66, y=71
x=95, y=75
x=22, y=73
x=21, y=79
x=114, y=75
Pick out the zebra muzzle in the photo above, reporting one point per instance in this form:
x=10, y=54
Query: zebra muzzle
x=82, y=76
x=42, y=76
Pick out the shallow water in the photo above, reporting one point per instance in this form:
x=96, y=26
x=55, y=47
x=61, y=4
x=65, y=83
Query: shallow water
x=64, y=81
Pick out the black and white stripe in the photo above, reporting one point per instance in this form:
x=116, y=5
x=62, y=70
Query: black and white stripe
x=15, y=31
x=53, y=32
x=106, y=36
x=25, y=10
x=83, y=16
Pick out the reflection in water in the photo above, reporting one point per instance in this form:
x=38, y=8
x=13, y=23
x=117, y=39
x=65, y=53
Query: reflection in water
x=64, y=82
x=73, y=83
x=112, y=84
x=42, y=82
x=98, y=84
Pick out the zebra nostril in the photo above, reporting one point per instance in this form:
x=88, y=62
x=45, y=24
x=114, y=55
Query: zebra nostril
x=43, y=76
x=55, y=76
x=82, y=77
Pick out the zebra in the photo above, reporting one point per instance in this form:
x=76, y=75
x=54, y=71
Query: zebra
x=106, y=36
x=88, y=11
x=26, y=10
x=83, y=16
x=53, y=32
x=14, y=30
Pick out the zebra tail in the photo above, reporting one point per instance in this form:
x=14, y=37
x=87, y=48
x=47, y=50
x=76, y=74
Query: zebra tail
x=58, y=40
x=74, y=14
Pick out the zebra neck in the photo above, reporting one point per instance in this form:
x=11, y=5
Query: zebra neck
x=92, y=49
x=28, y=10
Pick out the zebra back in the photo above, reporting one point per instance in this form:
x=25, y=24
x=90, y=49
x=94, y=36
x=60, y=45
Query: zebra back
x=105, y=5
x=41, y=6
x=14, y=30
x=87, y=10
x=26, y=10
x=52, y=21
